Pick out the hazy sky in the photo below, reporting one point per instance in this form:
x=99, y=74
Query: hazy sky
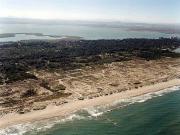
x=152, y=11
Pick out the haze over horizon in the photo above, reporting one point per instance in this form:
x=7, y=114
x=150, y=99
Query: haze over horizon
x=145, y=11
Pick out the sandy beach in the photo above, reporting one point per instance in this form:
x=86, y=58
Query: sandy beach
x=71, y=107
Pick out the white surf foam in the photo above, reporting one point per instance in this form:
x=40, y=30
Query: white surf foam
x=21, y=129
x=93, y=112
x=148, y=96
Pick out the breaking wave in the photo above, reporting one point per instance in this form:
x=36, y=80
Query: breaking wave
x=145, y=97
x=84, y=114
x=21, y=129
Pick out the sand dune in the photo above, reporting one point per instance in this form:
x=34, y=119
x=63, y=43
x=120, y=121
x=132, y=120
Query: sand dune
x=71, y=107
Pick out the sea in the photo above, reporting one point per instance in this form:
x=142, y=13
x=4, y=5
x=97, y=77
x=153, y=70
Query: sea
x=156, y=113
x=85, y=31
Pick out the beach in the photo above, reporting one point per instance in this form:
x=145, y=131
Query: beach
x=43, y=81
x=89, y=67
x=66, y=109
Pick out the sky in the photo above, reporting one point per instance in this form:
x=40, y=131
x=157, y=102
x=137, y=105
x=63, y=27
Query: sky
x=149, y=11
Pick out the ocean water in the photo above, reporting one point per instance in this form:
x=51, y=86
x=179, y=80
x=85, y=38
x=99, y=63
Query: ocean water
x=155, y=113
x=84, y=31
x=151, y=114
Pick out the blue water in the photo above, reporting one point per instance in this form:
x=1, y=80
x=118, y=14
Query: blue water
x=151, y=114
x=158, y=116
x=84, y=31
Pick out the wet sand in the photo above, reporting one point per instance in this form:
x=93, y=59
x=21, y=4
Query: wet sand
x=71, y=107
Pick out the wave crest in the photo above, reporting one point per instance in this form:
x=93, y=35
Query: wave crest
x=85, y=113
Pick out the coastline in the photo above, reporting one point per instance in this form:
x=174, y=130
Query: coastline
x=71, y=107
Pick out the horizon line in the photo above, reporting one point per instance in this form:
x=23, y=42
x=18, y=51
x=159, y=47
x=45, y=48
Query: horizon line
x=93, y=20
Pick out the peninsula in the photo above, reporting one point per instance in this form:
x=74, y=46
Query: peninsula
x=43, y=79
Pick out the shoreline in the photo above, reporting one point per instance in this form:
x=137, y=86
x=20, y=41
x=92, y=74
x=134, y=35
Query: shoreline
x=64, y=110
